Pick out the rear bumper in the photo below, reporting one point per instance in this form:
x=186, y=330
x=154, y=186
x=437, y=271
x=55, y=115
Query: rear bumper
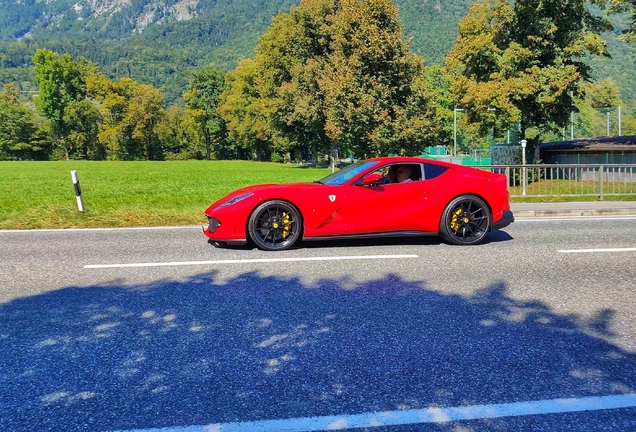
x=505, y=220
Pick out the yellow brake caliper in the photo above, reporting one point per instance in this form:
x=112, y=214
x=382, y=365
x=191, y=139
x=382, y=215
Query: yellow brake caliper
x=454, y=224
x=286, y=224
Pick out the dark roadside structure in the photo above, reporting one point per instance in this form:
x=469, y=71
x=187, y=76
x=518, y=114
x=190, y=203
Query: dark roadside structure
x=605, y=150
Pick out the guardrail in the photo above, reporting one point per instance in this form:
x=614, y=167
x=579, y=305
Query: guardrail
x=541, y=180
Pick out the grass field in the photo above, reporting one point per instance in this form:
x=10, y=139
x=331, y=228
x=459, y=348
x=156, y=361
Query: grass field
x=117, y=194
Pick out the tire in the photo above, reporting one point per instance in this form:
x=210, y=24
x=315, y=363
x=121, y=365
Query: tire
x=275, y=225
x=465, y=221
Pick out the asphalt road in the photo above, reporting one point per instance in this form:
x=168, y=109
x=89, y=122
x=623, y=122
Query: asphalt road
x=104, y=330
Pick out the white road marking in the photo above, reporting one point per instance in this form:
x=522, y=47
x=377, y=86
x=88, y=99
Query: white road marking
x=248, y=261
x=598, y=250
x=427, y=415
x=572, y=218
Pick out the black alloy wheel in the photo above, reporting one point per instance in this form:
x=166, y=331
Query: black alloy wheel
x=275, y=225
x=465, y=221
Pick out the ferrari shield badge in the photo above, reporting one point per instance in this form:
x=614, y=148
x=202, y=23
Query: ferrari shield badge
x=332, y=198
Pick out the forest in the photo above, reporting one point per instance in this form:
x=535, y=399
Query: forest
x=222, y=33
x=327, y=77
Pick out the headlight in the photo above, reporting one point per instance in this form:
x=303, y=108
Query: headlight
x=236, y=199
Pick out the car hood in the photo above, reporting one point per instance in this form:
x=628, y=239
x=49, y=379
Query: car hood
x=255, y=189
x=274, y=186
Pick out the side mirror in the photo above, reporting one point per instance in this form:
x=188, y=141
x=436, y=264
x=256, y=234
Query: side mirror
x=372, y=180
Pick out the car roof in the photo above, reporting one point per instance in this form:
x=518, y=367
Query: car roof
x=411, y=159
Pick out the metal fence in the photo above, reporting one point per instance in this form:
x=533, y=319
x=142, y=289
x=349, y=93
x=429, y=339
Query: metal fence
x=575, y=179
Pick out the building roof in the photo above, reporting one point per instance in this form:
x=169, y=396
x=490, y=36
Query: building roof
x=618, y=143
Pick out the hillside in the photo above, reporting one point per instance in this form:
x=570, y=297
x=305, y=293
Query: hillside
x=161, y=41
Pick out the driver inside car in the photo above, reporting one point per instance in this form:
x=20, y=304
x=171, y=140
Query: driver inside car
x=391, y=176
x=403, y=174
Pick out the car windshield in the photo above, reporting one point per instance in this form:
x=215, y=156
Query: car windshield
x=344, y=175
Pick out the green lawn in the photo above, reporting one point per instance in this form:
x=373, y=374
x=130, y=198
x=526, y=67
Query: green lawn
x=116, y=194
x=568, y=191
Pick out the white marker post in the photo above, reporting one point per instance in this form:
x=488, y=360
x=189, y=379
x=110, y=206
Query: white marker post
x=524, y=179
x=78, y=191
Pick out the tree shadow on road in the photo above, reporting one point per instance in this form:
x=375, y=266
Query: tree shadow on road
x=207, y=350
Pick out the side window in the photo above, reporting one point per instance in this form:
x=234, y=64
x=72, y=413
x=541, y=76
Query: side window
x=388, y=174
x=391, y=174
x=377, y=177
x=416, y=172
x=431, y=171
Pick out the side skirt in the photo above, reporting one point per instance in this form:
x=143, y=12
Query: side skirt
x=374, y=235
x=233, y=242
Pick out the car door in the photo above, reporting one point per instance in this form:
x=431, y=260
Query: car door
x=323, y=204
x=385, y=208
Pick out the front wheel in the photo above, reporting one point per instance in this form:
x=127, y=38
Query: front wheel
x=275, y=225
x=465, y=221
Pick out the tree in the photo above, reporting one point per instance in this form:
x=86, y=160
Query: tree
x=21, y=135
x=375, y=91
x=525, y=61
x=83, y=119
x=330, y=74
x=242, y=108
x=113, y=101
x=202, y=100
x=62, y=92
x=132, y=114
x=180, y=135
x=630, y=123
x=604, y=93
x=626, y=6
x=143, y=116
x=603, y=99
x=439, y=83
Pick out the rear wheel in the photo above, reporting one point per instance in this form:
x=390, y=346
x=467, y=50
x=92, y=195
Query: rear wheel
x=275, y=225
x=465, y=221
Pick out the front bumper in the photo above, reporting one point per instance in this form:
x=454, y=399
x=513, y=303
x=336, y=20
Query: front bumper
x=213, y=225
x=505, y=220
x=214, y=232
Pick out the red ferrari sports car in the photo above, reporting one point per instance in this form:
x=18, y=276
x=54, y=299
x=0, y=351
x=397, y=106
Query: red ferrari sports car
x=429, y=197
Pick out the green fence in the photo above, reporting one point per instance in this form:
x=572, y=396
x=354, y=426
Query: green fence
x=470, y=161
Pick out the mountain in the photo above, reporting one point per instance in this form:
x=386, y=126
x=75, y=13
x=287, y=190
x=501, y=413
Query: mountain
x=100, y=18
x=161, y=42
